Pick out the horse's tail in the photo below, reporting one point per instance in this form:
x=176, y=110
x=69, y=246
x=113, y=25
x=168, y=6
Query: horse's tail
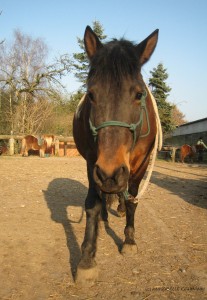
x=181, y=156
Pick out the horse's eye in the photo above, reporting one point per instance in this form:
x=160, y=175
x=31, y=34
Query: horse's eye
x=138, y=96
x=90, y=96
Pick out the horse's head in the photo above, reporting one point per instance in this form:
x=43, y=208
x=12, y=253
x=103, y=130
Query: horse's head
x=117, y=94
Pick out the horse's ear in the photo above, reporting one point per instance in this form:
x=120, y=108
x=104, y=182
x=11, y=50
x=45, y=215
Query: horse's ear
x=92, y=42
x=147, y=47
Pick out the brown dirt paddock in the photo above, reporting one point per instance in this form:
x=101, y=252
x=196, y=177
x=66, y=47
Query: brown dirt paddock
x=42, y=227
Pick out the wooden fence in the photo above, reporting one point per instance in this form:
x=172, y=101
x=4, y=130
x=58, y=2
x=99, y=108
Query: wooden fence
x=64, y=146
x=168, y=151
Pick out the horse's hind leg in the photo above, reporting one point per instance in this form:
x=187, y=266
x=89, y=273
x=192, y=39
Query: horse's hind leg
x=87, y=271
x=182, y=158
x=121, y=209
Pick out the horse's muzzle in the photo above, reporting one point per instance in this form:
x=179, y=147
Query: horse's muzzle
x=114, y=182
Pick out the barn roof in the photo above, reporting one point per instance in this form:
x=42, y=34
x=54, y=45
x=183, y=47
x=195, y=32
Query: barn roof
x=193, y=122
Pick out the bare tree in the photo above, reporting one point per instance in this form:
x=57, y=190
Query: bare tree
x=27, y=78
x=37, y=114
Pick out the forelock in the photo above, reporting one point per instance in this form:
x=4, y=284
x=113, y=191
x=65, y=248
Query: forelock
x=114, y=62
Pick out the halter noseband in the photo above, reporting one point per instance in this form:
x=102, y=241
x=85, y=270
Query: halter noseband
x=132, y=127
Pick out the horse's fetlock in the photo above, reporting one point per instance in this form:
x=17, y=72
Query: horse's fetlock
x=87, y=263
x=129, y=233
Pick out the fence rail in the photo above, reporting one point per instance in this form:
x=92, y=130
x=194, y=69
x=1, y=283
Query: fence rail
x=20, y=137
x=170, y=151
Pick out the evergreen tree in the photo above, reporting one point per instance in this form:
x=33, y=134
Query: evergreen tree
x=160, y=91
x=81, y=65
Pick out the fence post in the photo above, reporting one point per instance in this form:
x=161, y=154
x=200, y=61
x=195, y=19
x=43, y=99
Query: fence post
x=11, y=146
x=173, y=153
x=65, y=148
x=56, y=147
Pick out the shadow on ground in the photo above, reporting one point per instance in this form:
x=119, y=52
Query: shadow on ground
x=193, y=191
x=62, y=196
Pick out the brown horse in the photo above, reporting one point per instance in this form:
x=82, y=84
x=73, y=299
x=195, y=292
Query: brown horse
x=187, y=150
x=44, y=143
x=114, y=129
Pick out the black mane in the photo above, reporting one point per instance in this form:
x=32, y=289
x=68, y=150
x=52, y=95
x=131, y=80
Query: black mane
x=114, y=61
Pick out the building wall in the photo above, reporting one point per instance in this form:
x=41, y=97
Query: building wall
x=190, y=139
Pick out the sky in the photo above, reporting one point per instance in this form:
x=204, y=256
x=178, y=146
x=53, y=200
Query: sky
x=181, y=48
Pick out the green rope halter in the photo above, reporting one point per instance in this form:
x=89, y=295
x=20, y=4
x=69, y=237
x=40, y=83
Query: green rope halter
x=132, y=127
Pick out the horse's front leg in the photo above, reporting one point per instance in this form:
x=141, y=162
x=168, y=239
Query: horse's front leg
x=131, y=202
x=87, y=271
x=25, y=152
x=42, y=152
x=129, y=246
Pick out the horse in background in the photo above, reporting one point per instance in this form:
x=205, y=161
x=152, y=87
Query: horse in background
x=187, y=151
x=44, y=144
x=3, y=147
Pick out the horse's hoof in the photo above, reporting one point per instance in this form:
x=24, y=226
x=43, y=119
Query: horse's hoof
x=86, y=277
x=129, y=249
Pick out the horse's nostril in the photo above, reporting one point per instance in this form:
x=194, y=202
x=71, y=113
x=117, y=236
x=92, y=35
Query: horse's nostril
x=121, y=172
x=99, y=175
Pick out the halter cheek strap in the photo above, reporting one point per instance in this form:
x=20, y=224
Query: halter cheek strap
x=132, y=127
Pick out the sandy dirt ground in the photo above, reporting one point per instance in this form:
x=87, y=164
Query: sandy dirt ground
x=42, y=223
